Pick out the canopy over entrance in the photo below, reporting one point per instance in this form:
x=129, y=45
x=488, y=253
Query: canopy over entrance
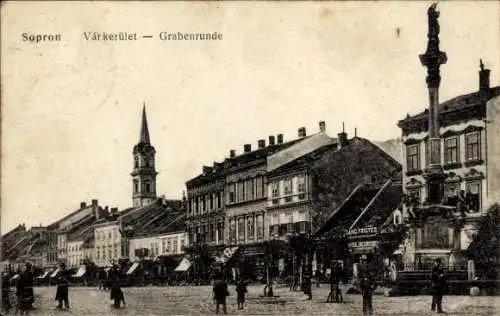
x=183, y=266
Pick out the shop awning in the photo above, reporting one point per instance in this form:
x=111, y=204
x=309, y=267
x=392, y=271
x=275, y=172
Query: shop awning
x=132, y=268
x=183, y=266
x=15, y=277
x=81, y=271
x=44, y=275
x=54, y=274
x=227, y=254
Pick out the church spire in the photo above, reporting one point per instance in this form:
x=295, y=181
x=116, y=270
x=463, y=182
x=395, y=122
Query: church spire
x=144, y=137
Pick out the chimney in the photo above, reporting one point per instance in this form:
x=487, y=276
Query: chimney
x=302, y=132
x=342, y=138
x=94, y=202
x=262, y=143
x=322, y=127
x=247, y=148
x=114, y=210
x=207, y=170
x=232, y=153
x=280, y=139
x=83, y=205
x=271, y=140
x=106, y=208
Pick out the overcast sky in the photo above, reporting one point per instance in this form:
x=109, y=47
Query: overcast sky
x=71, y=110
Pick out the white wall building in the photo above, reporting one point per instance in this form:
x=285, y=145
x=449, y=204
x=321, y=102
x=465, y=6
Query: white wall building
x=166, y=244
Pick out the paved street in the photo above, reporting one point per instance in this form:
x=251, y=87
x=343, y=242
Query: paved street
x=197, y=301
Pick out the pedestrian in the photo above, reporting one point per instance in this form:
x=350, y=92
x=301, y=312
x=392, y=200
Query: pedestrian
x=24, y=286
x=438, y=283
x=335, y=278
x=117, y=294
x=220, y=293
x=6, y=292
x=367, y=285
x=62, y=290
x=102, y=275
x=241, y=290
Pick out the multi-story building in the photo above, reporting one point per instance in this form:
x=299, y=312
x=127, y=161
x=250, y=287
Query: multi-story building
x=469, y=162
x=74, y=253
x=289, y=205
x=74, y=223
x=206, y=206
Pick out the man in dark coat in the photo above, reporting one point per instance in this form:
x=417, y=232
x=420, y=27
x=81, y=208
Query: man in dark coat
x=241, y=290
x=220, y=293
x=25, y=293
x=438, y=283
x=335, y=278
x=367, y=285
x=62, y=287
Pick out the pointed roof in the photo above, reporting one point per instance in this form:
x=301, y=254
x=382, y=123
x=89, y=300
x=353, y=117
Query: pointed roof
x=144, y=136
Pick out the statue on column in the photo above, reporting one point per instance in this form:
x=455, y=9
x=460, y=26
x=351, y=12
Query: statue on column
x=433, y=15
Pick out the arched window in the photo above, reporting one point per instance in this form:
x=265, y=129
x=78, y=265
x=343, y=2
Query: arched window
x=136, y=162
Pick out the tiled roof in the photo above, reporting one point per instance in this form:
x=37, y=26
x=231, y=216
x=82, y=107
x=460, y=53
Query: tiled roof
x=299, y=149
x=158, y=217
x=459, y=102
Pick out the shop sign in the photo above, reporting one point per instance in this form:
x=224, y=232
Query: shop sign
x=363, y=244
x=362, y=231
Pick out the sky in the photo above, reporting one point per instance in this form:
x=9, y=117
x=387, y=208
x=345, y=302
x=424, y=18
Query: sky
x=71, y=110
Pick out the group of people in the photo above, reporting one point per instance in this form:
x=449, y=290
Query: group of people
x=25, y=294
x=221, y=292
x=24, y=291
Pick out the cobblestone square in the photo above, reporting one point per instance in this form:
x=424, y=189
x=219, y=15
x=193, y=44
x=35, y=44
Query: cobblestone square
x=189, y=300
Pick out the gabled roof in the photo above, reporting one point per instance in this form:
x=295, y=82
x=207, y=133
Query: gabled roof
x=298, y=149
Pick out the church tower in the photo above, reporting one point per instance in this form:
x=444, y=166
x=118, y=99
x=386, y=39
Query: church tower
x=144, y=174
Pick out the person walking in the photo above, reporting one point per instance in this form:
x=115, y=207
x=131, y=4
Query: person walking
x=438, y=284
x=335, y=278
x=62, y=291
x=117, y=294
x=241, y=290
x=367, y=285
x=220, y=293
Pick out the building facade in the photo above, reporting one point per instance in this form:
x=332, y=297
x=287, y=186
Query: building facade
x=168, y=244
x=206, y=207
x=289, y=206
x=468, y=165
x=75, y=254
x=107, y=242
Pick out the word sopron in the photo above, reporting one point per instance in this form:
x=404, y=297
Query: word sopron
x=37, y=38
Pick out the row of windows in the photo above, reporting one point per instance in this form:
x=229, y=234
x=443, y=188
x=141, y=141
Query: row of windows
x=207, y=232
x=246, y=190
x=207, y=202
x=289, y=228
x=253, y=226
x=110, y=235
x=470, y=198
x=451, y=151
x=110, y=252
x=287, y=187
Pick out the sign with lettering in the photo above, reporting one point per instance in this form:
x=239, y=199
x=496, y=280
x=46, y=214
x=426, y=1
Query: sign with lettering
x=363, y=231
x=363, y=244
